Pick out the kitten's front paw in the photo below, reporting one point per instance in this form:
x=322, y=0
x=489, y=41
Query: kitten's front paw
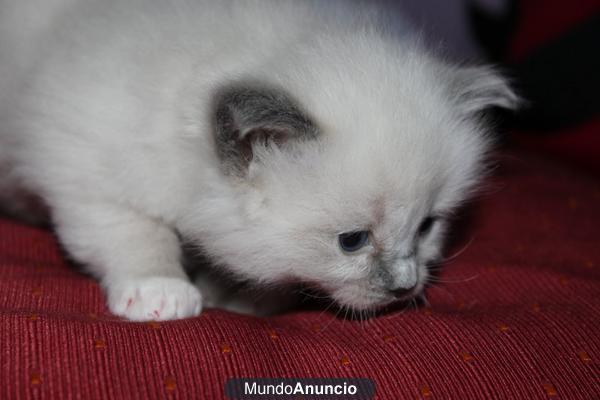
x=155, y=298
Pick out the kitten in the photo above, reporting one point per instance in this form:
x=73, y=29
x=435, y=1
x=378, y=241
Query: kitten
x=289, y=141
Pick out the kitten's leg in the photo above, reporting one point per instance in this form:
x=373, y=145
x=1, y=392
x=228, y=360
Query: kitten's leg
x=136, y=258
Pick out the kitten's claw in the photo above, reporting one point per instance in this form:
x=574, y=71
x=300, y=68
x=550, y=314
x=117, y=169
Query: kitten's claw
x=156, y=298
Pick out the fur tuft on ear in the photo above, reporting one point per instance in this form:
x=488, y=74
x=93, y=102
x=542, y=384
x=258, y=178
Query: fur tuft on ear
x=246, y=116
x=478, y=88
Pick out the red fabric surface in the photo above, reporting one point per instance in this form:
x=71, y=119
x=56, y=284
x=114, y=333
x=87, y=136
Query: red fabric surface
x=517, y=318
x=578, y=146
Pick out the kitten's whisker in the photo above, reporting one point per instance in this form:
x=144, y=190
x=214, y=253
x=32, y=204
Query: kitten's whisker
x=334, y=317
x=424, y=300
x=442, y=289
x=459, y=252
x=399, y=312
x=440, y=280
x=311, y=295
x=332, y=302
x=371, y=314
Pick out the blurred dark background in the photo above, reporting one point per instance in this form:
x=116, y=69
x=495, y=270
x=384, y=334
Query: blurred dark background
x=550, y=50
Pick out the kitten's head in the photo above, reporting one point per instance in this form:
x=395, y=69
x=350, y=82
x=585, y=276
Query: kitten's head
x=348, y=186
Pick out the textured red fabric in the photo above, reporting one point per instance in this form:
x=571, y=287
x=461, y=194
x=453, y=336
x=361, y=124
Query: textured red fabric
x=578, y=146
x=543, y=20
x=517, y=318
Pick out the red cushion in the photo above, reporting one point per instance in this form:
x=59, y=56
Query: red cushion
x=578, y=145
x=518, y=317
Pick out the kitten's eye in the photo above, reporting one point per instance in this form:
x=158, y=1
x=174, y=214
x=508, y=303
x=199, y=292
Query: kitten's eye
x=426, y=225
x=353, y=241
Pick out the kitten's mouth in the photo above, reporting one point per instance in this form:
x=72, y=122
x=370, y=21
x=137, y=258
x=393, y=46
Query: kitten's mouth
x=375, y=309
x=360, y=299
x=376, y=302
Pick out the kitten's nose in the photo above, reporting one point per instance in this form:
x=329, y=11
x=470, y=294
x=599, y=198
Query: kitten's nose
x=402, y=292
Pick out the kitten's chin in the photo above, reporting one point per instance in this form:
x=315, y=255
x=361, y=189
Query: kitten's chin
x=362, y=300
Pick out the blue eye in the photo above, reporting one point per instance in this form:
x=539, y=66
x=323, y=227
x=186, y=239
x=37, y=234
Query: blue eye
x=353, y=241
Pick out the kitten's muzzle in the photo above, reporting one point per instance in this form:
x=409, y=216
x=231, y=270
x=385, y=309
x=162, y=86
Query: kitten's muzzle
x=401, y=277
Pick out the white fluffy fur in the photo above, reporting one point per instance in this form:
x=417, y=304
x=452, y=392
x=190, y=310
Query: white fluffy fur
x=105, y=113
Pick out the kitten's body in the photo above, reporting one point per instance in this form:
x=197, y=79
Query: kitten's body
x=107, y=113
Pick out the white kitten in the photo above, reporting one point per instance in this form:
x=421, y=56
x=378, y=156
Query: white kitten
x=287, y=141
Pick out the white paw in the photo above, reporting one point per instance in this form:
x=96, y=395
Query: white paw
x=155, y=298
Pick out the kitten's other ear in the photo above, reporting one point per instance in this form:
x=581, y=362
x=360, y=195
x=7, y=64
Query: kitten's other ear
x=478, y=88
x=250, y=116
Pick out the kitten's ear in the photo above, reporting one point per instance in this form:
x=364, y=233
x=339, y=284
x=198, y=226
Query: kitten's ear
x=250, y=116
x=478, y=88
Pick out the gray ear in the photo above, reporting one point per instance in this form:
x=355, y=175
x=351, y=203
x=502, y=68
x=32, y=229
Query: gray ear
x=247, y=116
x=479, y=88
